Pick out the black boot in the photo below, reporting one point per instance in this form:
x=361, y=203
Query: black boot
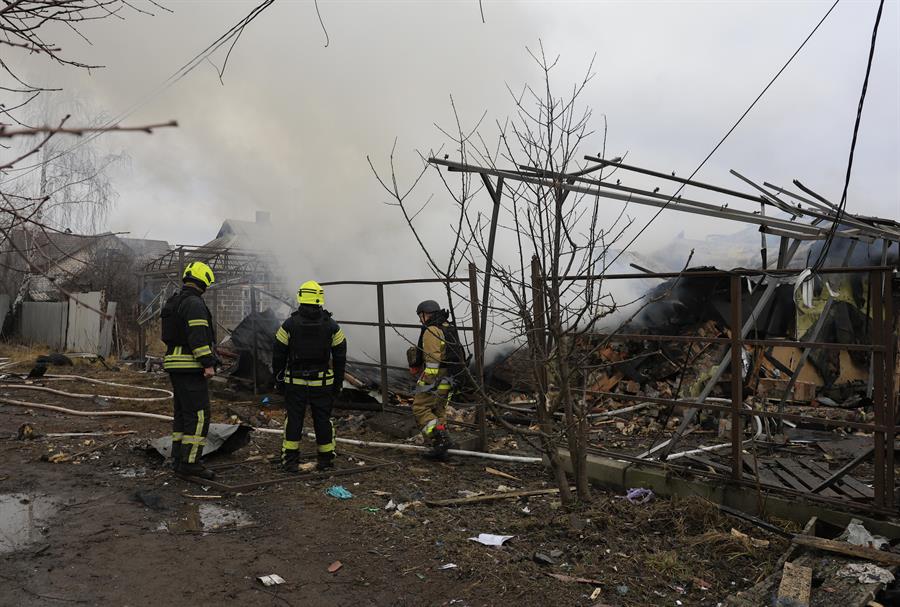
x=290, y=461
x=176, y=456
x=193, y=469
x=325, y=461
x=440, y=444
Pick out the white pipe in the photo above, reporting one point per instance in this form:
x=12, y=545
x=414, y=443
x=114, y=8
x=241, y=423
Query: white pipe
x=19, y=403
x=404, y=447
x=167, y=393
x=349, y=441
x=759, y=431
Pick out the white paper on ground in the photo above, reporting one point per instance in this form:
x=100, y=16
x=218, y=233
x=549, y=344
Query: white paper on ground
x=489, y=539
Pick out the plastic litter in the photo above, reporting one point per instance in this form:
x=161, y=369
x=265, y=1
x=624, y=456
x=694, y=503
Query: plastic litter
x=858, y=535
x=448, y=566
x=866, y=573
x=638, y=495
x=332, y=568
x=272, y=579
x=339, y=492
x=489, y=539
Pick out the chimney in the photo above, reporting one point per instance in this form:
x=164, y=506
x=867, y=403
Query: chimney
x=263, y=217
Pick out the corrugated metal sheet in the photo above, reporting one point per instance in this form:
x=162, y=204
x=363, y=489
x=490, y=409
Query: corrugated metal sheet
x=84, y=322
x=106, y=329
x=45, y=323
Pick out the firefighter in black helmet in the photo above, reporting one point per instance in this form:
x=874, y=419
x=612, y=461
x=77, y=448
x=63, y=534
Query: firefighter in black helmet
x=310, y=351
x=189, y=335
x=436, y=360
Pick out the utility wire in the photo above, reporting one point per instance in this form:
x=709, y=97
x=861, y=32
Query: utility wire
x=730, y=131
x=842, y=205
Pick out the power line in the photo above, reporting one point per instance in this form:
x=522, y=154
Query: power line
x=730, y=131
x=842, y=205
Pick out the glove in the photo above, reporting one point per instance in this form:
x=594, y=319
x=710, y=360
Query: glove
x=415, y=371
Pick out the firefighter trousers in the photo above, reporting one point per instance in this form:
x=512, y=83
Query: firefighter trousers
x=319, y=400
x=191, y=414
x=430, y=404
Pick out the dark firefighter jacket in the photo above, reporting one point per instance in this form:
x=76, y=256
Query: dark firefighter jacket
x=310, y=348
x=188, y=332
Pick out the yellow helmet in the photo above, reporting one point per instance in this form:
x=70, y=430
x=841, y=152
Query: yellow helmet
x=311, y=293
x=200, y=272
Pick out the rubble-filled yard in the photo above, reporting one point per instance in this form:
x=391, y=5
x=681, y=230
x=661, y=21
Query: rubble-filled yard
x=98, y=519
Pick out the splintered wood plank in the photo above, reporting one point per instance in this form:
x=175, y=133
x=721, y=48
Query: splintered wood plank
x=862, y=552
x=796, y=584
x=805, y=477
x=852, y=486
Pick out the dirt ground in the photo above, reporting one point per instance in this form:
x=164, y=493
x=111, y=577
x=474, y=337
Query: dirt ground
x=115, y=527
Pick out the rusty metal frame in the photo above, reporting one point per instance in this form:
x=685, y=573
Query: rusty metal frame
x=382, y=324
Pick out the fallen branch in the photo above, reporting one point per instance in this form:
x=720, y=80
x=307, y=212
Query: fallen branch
x=461, y=501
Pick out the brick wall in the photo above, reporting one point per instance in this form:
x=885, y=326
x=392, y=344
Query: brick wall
x=230, y=305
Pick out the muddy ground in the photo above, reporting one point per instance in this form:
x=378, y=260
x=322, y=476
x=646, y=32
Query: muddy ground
x=115, y=527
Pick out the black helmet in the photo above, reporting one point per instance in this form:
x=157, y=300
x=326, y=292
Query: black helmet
x=429, y=306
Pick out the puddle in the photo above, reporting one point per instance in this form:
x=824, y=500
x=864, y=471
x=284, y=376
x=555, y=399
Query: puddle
x=207, y=517
x=23, y=518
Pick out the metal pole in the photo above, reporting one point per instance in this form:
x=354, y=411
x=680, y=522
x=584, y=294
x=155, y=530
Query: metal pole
x=496, y=195
x=477, y=345
x=737, y=383
x=141, y=337
x=382, y=345
x=253, y=328
x=890, y=418
x=878, y=396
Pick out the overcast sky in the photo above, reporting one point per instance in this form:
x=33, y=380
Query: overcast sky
x=290, y=129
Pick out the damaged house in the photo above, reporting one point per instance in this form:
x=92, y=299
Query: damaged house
x=76, y=276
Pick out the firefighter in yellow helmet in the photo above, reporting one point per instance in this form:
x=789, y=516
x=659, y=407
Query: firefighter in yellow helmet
x=309, y=355
x=189, y=335
x=437, y=360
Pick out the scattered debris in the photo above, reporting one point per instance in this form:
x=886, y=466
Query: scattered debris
x=489, y=539
x=226, y=438
x=273, y=579
x=26, y=432
x=333, y=568
x=339, y=492
x=490, y=497
x=448, y=566
x=866, y=573
x=858, y=535
x=638, y=495
x=542, y=559
x=576, y=580
x=796, y=584
x=749, y=541
x=501, y=474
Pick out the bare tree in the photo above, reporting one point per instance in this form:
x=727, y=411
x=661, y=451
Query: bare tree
x=544, y=234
